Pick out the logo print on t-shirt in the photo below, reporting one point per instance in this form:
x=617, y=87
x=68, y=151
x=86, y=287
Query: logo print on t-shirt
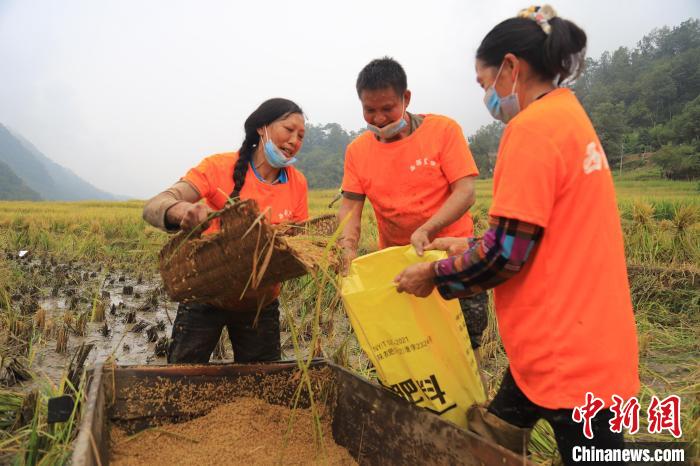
x=595, y=159
x=284, y=214
x=424, y=162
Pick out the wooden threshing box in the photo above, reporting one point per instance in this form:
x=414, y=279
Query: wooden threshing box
x=375, y=426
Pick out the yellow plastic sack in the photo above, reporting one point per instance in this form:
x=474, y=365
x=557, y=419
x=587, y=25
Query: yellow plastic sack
x=419, y=346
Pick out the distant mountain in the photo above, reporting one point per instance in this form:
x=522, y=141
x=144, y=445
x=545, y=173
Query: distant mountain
x=12, y=187
x=41, y=174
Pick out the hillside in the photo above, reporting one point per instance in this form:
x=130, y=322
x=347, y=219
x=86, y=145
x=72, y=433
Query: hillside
x=39, y=173
x=12, y=188
x=647, y=99
x=641, y=100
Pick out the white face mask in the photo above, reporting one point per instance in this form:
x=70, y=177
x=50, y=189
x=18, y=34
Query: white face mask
x=392, y=129
x=274, y=156
x=502, y=108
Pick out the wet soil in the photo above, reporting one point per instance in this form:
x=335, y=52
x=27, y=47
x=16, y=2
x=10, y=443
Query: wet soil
x=138, y=318
x=246, y=431
x=133, y=323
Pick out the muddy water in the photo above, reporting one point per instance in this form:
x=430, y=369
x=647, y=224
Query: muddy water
x=134, y=304
x=124, y=313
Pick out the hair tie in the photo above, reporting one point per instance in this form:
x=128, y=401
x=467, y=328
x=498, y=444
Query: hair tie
x=541, y=15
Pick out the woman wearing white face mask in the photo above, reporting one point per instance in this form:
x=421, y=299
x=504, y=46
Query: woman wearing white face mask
x=261, y=170
x=554, y=251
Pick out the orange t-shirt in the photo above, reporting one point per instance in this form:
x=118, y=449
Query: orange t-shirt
x=407, y=181
x=566, y=319
x=213, y=178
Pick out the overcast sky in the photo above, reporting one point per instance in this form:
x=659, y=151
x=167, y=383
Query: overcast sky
x=130, y=94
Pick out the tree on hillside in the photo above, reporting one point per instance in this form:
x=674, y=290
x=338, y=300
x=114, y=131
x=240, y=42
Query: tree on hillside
x=686, y=125
x=322, y=155
x=680, y=162
x=484, y=146
x=643, y=99
x=608, y=119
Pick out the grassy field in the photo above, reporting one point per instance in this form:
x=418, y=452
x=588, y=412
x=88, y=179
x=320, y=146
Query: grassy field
x=661, y=221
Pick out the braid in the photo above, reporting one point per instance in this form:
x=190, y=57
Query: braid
x=269, y=111
x=245, y=155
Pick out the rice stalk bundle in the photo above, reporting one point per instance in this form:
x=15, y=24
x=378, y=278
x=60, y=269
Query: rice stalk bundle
x=62, y=339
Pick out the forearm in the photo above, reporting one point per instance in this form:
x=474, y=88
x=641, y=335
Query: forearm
x=456, y=205
x=165, y=210
x=453, y=209
x=351, y=215
x=497, y=257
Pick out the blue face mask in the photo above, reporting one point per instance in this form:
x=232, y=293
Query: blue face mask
x=502, y=108
x=274, y=156
x=390, y=130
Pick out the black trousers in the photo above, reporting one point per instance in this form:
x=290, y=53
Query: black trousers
x=475, y=310
x=197, y=329
x=511, y=405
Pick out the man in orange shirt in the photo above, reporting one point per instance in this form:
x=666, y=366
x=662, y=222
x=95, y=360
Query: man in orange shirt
x=417, y=172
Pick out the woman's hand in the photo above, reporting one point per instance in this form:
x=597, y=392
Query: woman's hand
x=453, y=246
x=189, y=215
x=416, y=279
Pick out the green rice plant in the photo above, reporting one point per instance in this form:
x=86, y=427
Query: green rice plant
x=543, y=445
x=642, y=215
x=668, y=321
x=665, y=209
x=99, y=307
x=106, y=231
x=37, y=442
x=9, y=280
x=62, y=337
x=81, y=321
x=686, y=216
x=10, y=404
x=323, y=279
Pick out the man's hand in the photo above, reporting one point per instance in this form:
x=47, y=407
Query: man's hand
x=350, y=215
x=348, y=255
x=453, y=246
x=419, y=240
x=416, y=279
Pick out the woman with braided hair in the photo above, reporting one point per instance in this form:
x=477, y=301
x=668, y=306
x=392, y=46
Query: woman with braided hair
x=553, y=253
x=261, y=170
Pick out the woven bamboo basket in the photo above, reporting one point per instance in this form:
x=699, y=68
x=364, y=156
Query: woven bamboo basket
x=237, y=268
x=325, y=225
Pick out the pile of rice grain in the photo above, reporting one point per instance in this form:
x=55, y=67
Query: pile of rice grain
x=246, y=431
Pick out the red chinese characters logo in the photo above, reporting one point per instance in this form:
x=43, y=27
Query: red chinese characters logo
x=665, y=415
x=662, y=414
x=625, y=415
x=587, y=412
